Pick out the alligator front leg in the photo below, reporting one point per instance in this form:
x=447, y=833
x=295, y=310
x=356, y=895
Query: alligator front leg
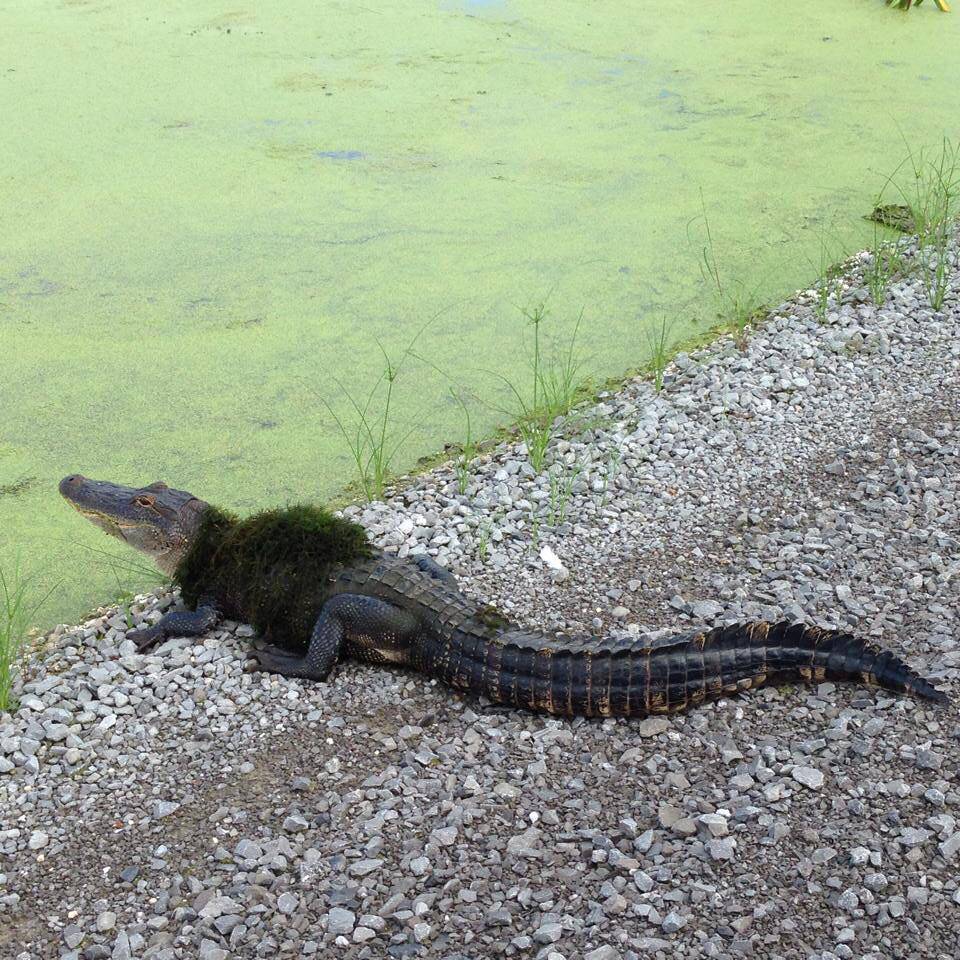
x=178, y=623
x=375, y=629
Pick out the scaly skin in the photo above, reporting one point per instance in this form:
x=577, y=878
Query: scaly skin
x=411, y=613
x=434, y=629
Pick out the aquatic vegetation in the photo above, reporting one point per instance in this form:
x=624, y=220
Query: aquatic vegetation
x=271, y=555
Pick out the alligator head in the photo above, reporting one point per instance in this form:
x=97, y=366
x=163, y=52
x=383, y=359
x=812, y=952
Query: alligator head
x=158, y=521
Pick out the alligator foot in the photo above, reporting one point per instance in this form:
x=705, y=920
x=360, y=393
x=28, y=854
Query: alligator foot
x=271, y=659
x=430, y=567
x=178, y=623
x=147, y=638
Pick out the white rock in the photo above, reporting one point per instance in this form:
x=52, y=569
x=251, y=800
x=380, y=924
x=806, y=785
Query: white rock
x=809, y=777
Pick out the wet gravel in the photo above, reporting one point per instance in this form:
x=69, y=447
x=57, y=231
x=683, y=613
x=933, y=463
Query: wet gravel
x=175, y=806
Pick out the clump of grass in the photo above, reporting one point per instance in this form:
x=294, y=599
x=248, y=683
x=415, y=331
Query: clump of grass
x=561, y=382
x=746, y=309
x=658, y=340
x=130, y=575
x=609, y=474
x=930, y=191
x=829, y=276
x=709, y=268
x=828, y=287
x=124, y=599
x=885, y=264
x=534, y=531
x=537, y=432
x=369, y=436
x=933, y=196
x=468, y=449
x=737, y=306
x=483, y=538
x=129, y=572
x=18, y=607
x=935, y=268
x=562, y=480
x=554, y=388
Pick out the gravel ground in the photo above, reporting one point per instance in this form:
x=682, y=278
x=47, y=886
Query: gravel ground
x=176, y=806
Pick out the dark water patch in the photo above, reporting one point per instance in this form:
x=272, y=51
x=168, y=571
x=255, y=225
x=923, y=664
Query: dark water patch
x=29, y=282
x=468, y=5
x=305, y=81
x=244, y=323
x=198, y=303
x=339, y=154
x=18, y=486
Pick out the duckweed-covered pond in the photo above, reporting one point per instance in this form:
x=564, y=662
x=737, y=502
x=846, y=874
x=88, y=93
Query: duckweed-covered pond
x=214, y=212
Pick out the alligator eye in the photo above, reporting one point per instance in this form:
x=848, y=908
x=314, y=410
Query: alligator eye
x=143, y=501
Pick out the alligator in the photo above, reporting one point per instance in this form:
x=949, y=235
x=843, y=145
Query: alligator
x=316, y=590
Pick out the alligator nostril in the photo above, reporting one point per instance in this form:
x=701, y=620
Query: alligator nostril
x=74, y=480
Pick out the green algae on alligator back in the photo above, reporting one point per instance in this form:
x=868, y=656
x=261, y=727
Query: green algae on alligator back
x=214, y=208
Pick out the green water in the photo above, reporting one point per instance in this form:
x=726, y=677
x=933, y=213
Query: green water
x=209, y=212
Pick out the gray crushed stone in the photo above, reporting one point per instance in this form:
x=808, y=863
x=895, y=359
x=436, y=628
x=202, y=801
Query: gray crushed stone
x=175, y=806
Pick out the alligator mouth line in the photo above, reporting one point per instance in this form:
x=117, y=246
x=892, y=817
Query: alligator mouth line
x=105, y=522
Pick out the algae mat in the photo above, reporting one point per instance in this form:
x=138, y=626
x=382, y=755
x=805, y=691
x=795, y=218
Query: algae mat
x=212, y=212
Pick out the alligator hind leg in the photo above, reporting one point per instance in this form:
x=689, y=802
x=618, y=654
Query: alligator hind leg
x=430, y=566
x=376, y=630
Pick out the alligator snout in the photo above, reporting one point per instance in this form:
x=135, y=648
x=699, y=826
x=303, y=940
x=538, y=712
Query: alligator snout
x=67, y=484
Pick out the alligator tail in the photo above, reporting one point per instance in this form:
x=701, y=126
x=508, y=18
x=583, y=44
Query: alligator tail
x=796, y=652
x=585, y=677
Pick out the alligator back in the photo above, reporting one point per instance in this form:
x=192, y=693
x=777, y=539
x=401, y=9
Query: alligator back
x=275, y=569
